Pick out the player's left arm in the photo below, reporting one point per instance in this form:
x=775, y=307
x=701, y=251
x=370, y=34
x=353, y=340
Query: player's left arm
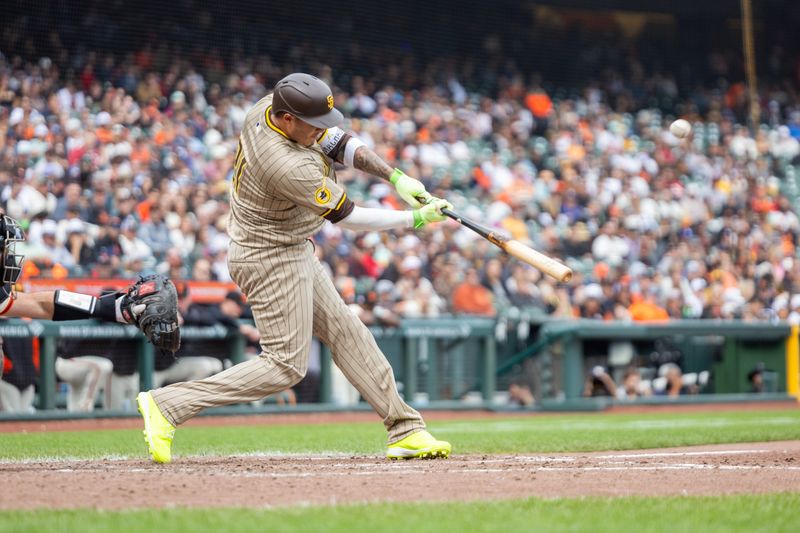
x=349, y=150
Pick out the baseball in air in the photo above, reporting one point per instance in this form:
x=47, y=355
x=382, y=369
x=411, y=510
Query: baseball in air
x=680, y=128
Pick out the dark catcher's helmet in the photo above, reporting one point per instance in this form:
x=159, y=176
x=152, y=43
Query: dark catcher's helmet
x=11, y=266
x=308, y=98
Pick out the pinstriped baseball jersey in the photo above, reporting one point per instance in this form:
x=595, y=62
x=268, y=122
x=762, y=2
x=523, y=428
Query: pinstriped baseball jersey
x=282, y=192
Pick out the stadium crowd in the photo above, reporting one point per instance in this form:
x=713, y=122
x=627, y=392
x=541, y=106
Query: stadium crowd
x=122, y=166
x=118, y=132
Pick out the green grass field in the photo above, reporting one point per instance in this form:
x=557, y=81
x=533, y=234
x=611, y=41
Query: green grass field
x=562, y=433
x=767, y=513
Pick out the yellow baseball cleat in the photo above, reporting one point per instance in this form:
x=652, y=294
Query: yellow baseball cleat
x=158, y=432
x=419, y=445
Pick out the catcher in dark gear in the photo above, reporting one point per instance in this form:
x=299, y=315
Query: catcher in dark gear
x=151, y=303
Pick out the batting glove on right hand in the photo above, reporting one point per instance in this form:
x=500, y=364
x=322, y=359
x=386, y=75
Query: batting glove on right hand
x=432, y=212
x=412, y=191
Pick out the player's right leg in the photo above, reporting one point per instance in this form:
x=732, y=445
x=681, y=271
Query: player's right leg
x=358, y=356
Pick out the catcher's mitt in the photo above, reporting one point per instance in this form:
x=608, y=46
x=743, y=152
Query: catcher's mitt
x=152, y=304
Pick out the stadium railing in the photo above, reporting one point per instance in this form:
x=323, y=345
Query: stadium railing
x=442, y=359
x=730, y=348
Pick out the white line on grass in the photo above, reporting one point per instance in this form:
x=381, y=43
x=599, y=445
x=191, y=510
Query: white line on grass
x=610, y=425
x=323, y=456
x=678, y=454
x=66, y=459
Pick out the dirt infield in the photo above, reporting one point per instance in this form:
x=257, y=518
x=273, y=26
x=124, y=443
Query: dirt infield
x=265, y=481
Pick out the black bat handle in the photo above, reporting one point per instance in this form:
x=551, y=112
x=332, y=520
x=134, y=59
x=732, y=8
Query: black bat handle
x=471, y=224
x=451, y=214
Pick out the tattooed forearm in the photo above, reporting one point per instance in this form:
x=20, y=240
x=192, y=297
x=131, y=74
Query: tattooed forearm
x=368, y=161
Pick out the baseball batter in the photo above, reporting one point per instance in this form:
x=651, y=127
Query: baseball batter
x=283, y=190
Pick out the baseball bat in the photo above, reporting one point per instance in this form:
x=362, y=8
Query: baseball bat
x=514, y=248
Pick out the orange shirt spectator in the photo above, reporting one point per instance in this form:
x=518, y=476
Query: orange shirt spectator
x=481, y=178
x=646, y=310
x=470, y=297
x=141, y=153
x=143, y=210
x=539, y=104
x=104, y=135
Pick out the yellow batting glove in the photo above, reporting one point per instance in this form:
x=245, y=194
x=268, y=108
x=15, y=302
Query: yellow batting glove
x=431, y=212
x=412, y=191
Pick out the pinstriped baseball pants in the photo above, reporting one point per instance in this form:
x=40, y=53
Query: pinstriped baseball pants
x=293, y=298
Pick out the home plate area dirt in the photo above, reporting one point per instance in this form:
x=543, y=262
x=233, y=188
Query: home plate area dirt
x=267, y=481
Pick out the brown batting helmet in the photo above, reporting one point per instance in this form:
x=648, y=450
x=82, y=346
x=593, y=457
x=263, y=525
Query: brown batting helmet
x=308, y=98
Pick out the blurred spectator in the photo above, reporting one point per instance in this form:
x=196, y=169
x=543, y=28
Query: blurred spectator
x=673, y=378
x=591, y=305
x=51, y=250
x=108, y=251
x=494, y=280
x=79, y=246
x=522, y=289
x=632, y=386
x=135, y=251
x=472, y=298
x=385, y=301
x=599, y=383
x=71, y=201
x=154, y=233
x=756, y=379
x=201, y=271
x=173, y=265
x=18, y=377
x=519, y=394
x=672, y=373
x=420, y=300
x=644, y=308
x=85, y=377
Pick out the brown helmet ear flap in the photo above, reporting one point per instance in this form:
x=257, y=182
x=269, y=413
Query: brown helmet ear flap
x=279, y=104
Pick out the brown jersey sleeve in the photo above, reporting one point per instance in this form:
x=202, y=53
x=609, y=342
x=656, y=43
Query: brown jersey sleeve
x=307, y=187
